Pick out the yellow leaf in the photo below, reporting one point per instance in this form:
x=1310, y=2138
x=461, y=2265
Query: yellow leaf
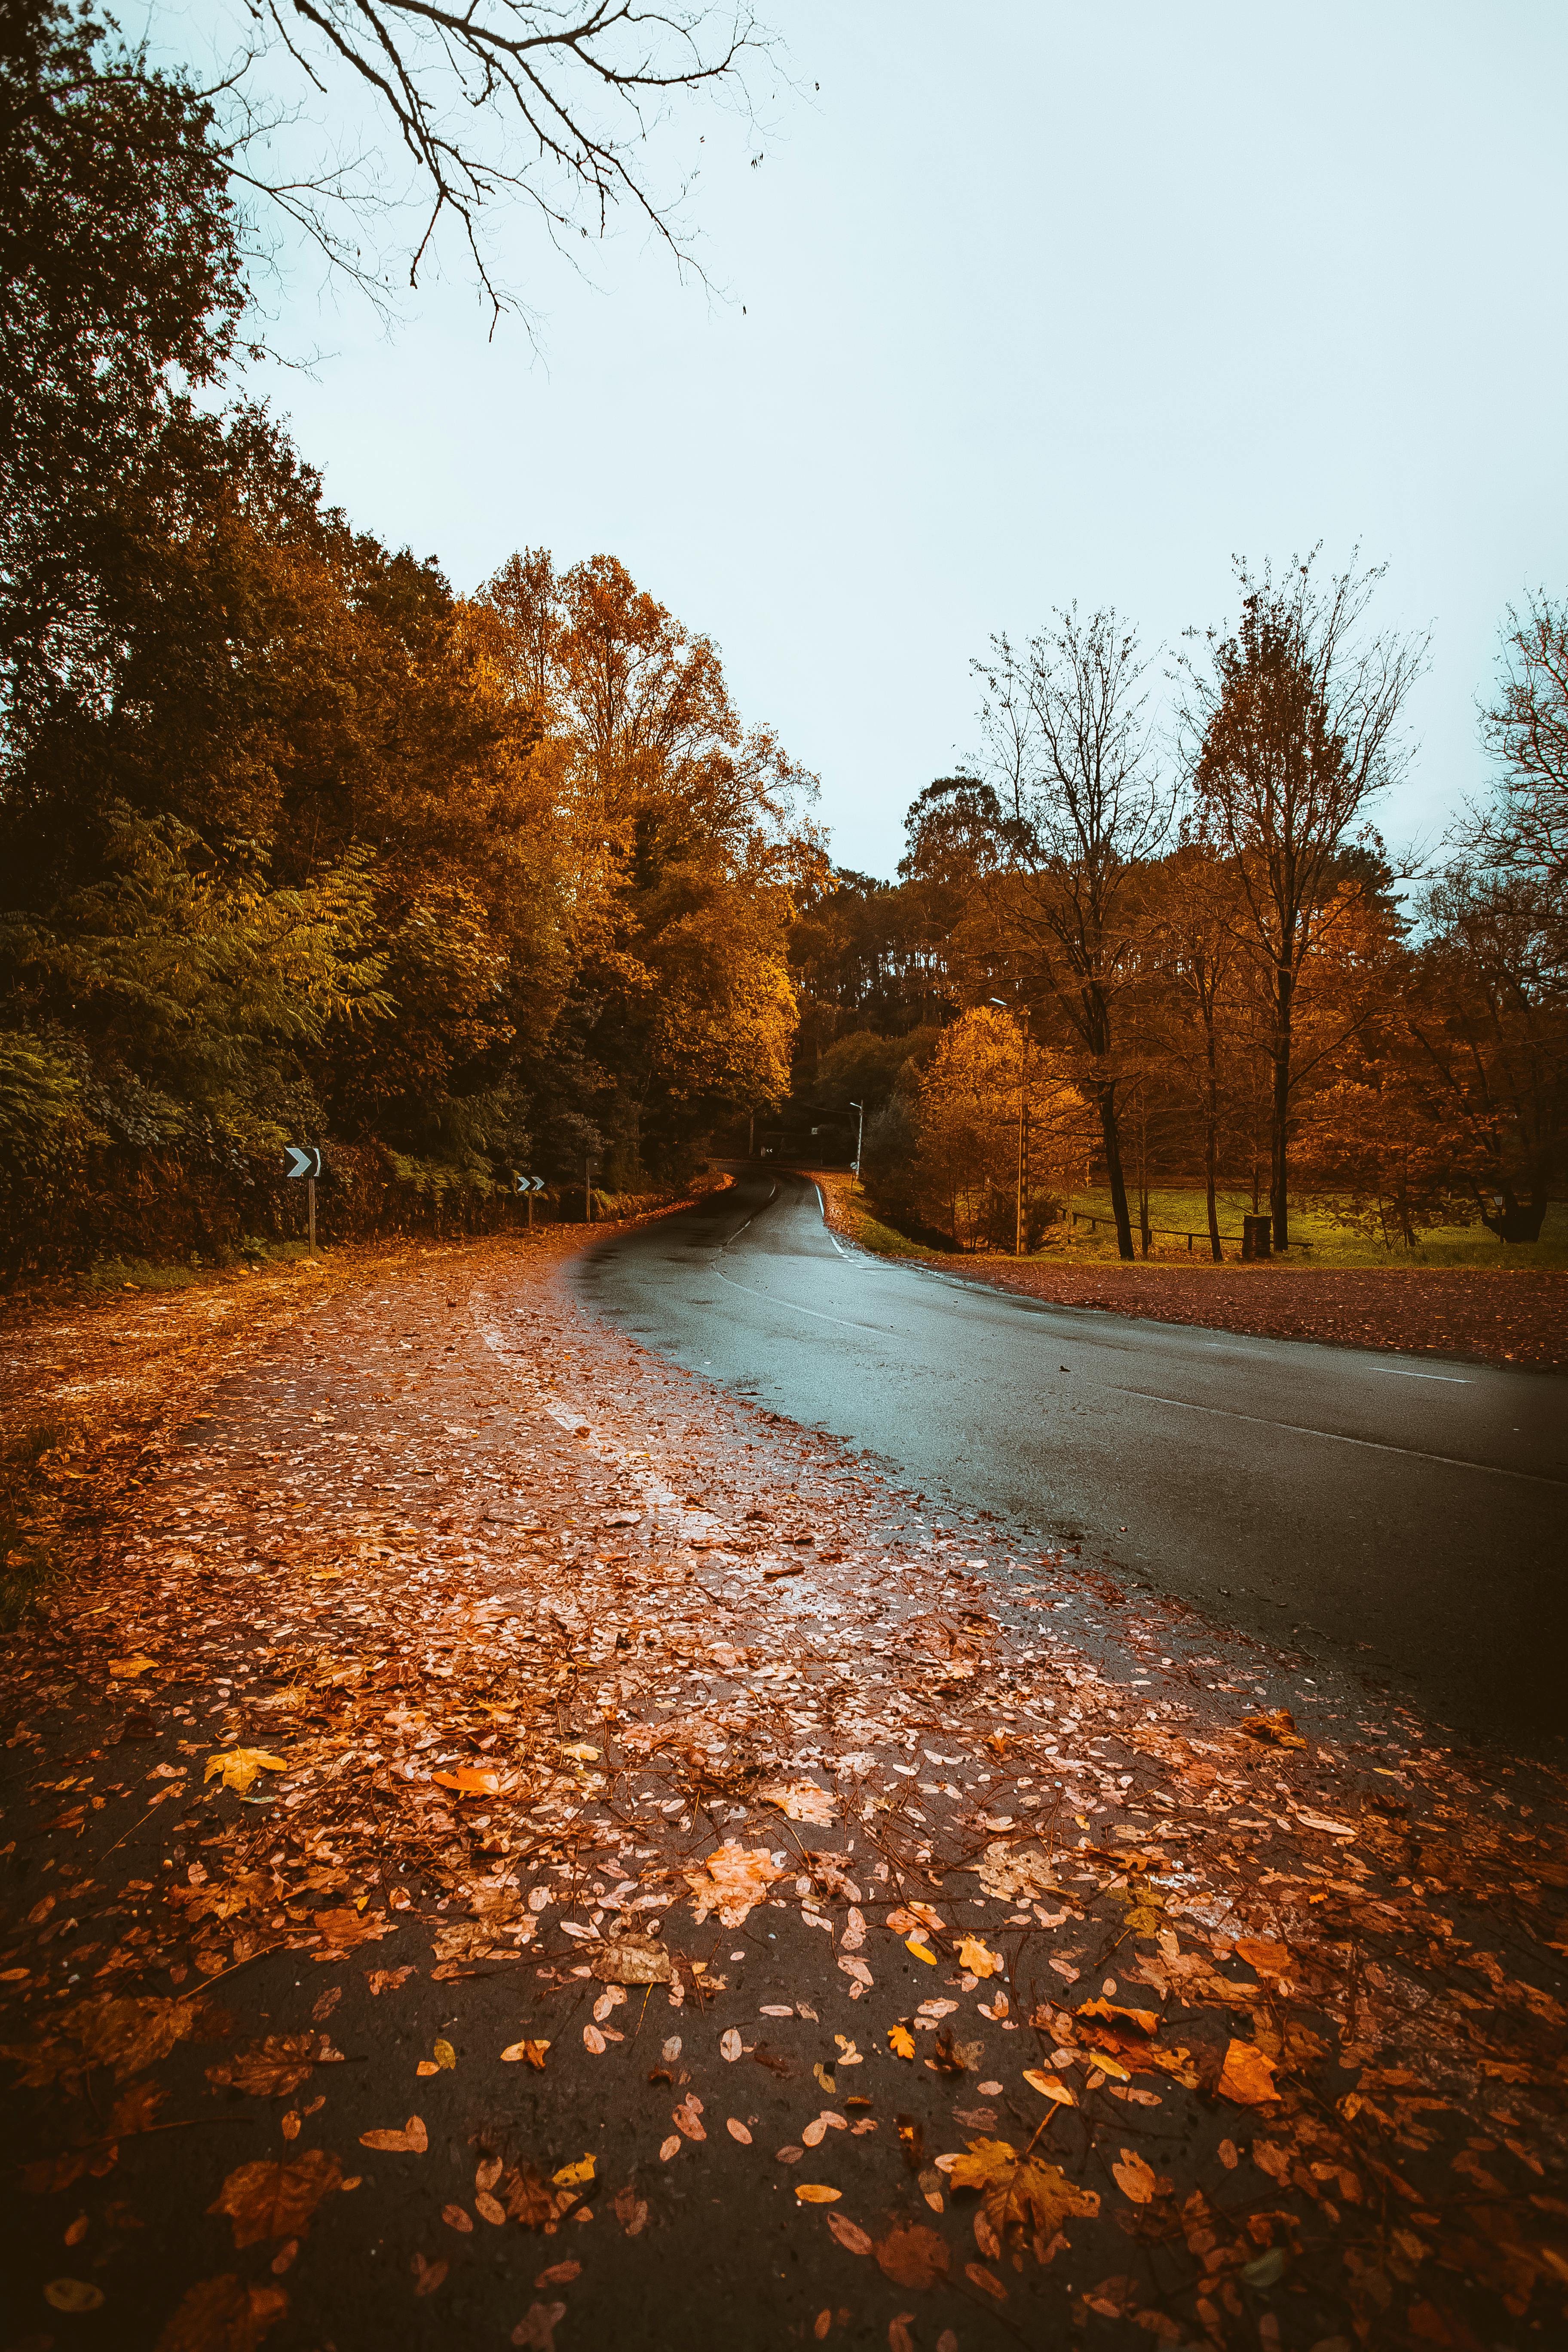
x=922, y=1950
x=1247, y=2076
x=1135, y=2179
x=812, y=2192
x=972, y=1955
x=533, y=2051
x=900, y=2040
x=444, y=2054
x=1049, y=2086
x=574, y=2175
x=237, y=1766
x=581, y=1753
x=124, y=1670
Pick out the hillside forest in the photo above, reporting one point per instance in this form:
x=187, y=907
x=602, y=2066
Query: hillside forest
x=300, y=844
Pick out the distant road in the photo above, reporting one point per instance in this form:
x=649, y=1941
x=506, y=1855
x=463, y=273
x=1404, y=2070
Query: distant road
x=1408, y=1515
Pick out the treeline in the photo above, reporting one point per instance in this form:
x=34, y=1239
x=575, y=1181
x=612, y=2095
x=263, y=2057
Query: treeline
x=297, y=844
x=1138, y=958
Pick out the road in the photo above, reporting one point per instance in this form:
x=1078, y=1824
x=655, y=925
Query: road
x=1401, y=1518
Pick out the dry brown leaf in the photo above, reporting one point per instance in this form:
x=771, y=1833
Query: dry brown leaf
x=1049, y=2085
x=802, y=1800
x=264, y=2199
x=911, y=2255
x=411, y=2140
x=973, y=1956
x=900, y=2042
x=632, y=1960
x=428, y=2276
x=1247, y=2076
x=224, y=2314
x=1268, y=1959
x=814, y=2192
x=381, y=1980
x=1135, y=2179
x=1275, y=1730
x=472, y=1780
x=105, y=2031
x=268, y=2069
x=1017, y=2189
x=731, y=1881
x=850, y=2236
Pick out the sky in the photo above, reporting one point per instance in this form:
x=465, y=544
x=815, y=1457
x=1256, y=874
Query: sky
x=1022, y=306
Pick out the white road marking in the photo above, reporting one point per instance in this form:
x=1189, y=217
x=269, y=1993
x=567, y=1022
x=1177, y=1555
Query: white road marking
x=884, y=1330
x=1399, y=1373
x=1337, y=1437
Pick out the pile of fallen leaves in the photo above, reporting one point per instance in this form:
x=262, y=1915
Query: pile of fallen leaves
x=473, y=1670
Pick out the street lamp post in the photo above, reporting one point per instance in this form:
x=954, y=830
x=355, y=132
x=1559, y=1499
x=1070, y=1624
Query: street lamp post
x=1023, y=1117
x=859, y=1136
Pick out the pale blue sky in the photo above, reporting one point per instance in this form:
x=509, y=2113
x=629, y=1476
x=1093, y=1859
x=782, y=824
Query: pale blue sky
x=1041, y=302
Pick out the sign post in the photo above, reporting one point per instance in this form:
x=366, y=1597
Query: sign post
x=528, y=1186
x=306, y=1162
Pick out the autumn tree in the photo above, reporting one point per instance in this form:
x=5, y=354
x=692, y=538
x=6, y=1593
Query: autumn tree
x=1051, y=840
x=1293, y=730
x=1195, y=954
x=987, y=1106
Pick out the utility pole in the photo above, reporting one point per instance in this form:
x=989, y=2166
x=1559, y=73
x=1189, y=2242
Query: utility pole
x=587, y=1189
x=860, y=1137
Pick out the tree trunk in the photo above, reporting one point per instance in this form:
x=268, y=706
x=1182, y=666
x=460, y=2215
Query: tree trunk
x=1111, y=1133
x=1278, y=1202
x=1211, y=1154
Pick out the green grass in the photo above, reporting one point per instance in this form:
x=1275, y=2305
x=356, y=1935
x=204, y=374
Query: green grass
x=140, y=1273
x=1333, y=1244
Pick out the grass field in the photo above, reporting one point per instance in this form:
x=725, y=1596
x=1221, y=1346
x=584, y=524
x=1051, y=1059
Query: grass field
x=1331, y=1245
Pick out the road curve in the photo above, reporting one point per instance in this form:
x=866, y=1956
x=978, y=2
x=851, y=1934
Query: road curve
x=1403, y=1517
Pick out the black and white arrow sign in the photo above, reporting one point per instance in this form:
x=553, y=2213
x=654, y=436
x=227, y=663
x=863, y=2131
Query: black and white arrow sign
x=304, y=1159
x=526, y=1183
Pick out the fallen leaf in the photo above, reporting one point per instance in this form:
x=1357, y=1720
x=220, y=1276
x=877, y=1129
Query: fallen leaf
x=107, y=2029
x=456, y=2218
x=850, y=2236
x=1135, y=2179
x=428, y=2276
x=74, y=2294
x=1018, y=2189
x=922, y=1950
x=223, y=2314
x=268, y=2069
x=536, y=2329
x=236, y=1767
x=411, y=2140
x=574, y=2175
x=1276, y=1729
x=470, y=1780
x=687, y=2117
x=983, y=2279
x=911, y=2255
x=730, y=2044
x=738, y=2131
x=381, y=1980
x=1247, y=2076
x=802, y=1800
x=533, y=2052
x=264, y=2199
x=125, y=1670
x=1268, y=1959
x=560, y=2275
x=1049, y=2085
x=581, y=1753
x=668, y=2148
x=900, y=2040
x=594, y=2041
x=731, y=1880
x=812, y=2192
x=632, y=1960
x=973, y=1956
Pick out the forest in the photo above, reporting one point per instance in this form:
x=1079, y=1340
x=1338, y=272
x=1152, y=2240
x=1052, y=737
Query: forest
x=301, y=845
x=1124, y=954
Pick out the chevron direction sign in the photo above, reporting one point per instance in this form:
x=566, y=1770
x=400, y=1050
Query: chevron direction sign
x=303, y=1160
x=526, y=1183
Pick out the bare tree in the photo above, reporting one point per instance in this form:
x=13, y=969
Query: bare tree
x=1524, y=832
x=1291, y=734
x=1079, y=807
x=493, y=103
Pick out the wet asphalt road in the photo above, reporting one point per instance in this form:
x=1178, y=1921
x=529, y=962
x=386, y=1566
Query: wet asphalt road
x=1404, y=1518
